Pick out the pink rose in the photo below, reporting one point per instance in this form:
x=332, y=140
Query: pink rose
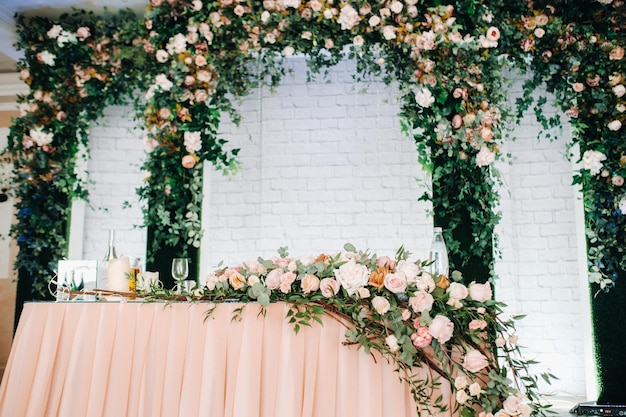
x=61, y=116
x=406, y=314
x=83, y=33
x=273, y=279
x=310, y=283
x=396, y=283
x=188, y=161
x=480, y=292
x=329, y=287
x=421, y=301
x=421, y=338
x=380, y=304
x=385, y=261
x=474, y=361
x=441, y=328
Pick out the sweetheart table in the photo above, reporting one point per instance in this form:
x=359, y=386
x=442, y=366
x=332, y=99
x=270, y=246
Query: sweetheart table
x=139, y=359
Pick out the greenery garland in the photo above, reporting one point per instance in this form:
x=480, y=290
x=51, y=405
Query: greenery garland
x=75, y=67
x=577, y=51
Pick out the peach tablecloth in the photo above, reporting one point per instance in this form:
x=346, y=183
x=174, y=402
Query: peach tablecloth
x=149, y=360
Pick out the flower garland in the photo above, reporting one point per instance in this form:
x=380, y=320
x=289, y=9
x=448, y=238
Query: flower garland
x=73, y=70
x=577, y=51
x=208, y=52
x=395, y=307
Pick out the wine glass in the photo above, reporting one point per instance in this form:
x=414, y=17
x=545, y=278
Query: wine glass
x=180, y=270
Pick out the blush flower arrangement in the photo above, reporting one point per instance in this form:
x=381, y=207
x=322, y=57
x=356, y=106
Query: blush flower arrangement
x=395, y=307
x=443, y=58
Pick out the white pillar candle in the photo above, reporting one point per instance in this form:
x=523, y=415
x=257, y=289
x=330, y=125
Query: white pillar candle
x=117, y=274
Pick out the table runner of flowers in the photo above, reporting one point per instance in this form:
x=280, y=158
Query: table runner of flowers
x=393, y=306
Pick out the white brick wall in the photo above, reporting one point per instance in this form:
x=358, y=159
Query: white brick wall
x=325, y=163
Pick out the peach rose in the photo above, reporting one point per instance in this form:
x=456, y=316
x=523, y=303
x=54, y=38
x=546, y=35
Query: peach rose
x=474, y=361
x=310, y=283
x=477, y=324
x=441, y=328
x=616, y=53
x=236, y=280
x=480, y=292
x=188, y=161
x=377, y=279
x=380, y=304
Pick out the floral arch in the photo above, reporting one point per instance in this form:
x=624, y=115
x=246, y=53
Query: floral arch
x=193, y=57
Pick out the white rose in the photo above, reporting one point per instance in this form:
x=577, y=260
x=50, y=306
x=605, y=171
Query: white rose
x=485, y=156
x=192, y=141
x=622, y=205
x=424, y=98
x=619, y=90
x=162, y=56
x=409, y=269
x=389, y=32
x=425, y=282
x=374, y=21
x=352, y=276
x=457, y=291
x=592, y=160
x=441, y=328
x=396, y=7
x=392, y=342
x=461, y=397
x=615, y=125
x=211, y=281
x=380, y=304
x=460, y=382
x=475, y=389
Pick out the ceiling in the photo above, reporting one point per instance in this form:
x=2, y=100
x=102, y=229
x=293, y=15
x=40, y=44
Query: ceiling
x=47, y=8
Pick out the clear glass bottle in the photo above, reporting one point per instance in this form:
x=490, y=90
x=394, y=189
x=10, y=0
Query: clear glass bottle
x=103, y=266
x=438, y=254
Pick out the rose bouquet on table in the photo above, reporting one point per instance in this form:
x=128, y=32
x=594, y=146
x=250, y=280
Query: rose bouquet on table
x=397, y=308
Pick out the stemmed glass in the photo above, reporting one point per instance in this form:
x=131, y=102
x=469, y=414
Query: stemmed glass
x=180, y=270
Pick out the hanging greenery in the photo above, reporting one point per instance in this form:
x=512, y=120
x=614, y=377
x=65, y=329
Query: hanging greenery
x=75, y=67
